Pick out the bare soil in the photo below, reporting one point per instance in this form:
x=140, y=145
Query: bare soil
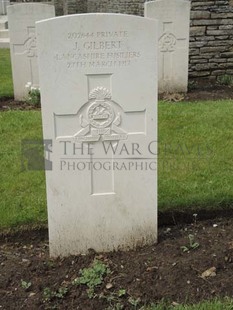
x=147, y=274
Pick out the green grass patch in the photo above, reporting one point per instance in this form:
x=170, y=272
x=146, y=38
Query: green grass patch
x=226, y=304
x=195, y=155
x=6, y=84
x=22, y=193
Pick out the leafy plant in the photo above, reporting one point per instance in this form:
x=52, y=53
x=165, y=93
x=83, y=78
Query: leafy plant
x=121, y=292
x=92, y=276
x=25, y=285
x=192, y=244
x=225, y=80
x=49, y=294
x=33, y=95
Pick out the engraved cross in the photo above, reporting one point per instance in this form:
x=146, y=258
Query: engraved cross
x=100, y=120
x=168, y=44
x=29, y=48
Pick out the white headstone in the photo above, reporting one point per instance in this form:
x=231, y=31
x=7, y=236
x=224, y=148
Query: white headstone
x=99, y=91
x=21, y=22
x=174, y=18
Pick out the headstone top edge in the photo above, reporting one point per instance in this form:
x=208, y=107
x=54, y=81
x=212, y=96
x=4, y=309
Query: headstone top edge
x=92, y=15
x=149, y=3
x=30, y=4
x=10, y=8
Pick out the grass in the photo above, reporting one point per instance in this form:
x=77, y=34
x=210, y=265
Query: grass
x=6, y=84
x=226, y=304
x=22, y=193
x=195, y=155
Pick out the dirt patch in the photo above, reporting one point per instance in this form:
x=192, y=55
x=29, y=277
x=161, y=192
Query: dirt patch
x=7, y=104
x=205, y=91
x=137, y=277
x=202, y=90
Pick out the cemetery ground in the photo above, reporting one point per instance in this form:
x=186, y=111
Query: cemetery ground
x=193, y=260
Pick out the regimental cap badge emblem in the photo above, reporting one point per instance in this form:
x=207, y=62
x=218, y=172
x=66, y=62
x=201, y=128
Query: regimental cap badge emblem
x=100, y=113
x=101, y=119
x=167, y=42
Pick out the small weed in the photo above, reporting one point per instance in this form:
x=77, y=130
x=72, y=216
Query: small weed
x=121, y=292
x=192, y=85
x=92, y=276
x=49, y=294
x=49, y=264
x=192, y=244
x=134, y=302
x=25, y=285
x=226, y=80
x=114, y=298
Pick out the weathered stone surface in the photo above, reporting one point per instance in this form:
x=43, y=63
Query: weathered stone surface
x=218, y=32
x=205, y=56
x=218, y=60
x=202, y=67
x=194, y=51
x=198, y=61
x=228, y=65
x=221, y=15
x=197, y=31
x=218, y=72
x=204, y=3
x=197, y=44
x=212, y=49
x=199, y=14
x=220, y=43
x=199, y=73
x=221, y=37
x=204, y=22
x=212, y=27
x=227, y=54
x=226, y=27
x=205, y=38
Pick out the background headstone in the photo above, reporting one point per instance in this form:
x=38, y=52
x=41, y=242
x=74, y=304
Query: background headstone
x=174, y=19
x=21, y=22
x=98, y=78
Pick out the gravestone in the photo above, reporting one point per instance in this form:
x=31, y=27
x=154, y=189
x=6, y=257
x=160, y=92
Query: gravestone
x=99, y=106
x=23, y=46
x=174, y=17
